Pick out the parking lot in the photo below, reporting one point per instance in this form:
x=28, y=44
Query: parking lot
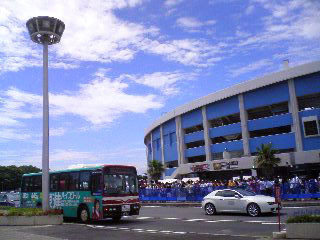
x=162, y=222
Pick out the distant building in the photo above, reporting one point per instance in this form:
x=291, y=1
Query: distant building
x=218, y=135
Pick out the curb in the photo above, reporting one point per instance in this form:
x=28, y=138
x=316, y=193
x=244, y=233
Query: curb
x=197, y=204
x=31, y=220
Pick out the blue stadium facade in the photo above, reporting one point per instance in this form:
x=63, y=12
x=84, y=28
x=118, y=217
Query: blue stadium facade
x=217, y=136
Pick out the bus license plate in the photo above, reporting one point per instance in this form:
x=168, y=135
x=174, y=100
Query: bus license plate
x=125, y=208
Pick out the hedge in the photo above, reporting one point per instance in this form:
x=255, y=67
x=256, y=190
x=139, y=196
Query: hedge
x=304, y=219
x=28, y=212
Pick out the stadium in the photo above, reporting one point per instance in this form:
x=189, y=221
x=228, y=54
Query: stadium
x=217, y=136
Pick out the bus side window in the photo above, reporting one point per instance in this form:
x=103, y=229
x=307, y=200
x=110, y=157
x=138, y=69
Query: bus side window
x=54, y=182
x=37, y=183
x=84, y=180
x=63, y=182
x=24, y=184
x=74, y=181
x=30, y=184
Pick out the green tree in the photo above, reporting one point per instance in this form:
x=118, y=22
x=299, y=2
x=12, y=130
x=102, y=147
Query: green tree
x=10, y=176
x=155, y=169
x=266, y=159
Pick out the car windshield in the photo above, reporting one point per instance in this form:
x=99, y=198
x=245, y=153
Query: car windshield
x=120, y=184
x=245, y=192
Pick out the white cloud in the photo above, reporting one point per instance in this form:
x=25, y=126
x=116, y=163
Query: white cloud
x=99, y=102
x=113, y=38
x=192, y=24
x=13, y=134
x=250, y=67
x=172, y=3
x=59, y=158
x=16, y=105
x=102, y=101
x=166, y=82
x=192, y=52
x=69, y=155
x=297, y=19
x=98, y=35
x=82, y=165
x=249, y=9
x=57, y=131
x=70, y=158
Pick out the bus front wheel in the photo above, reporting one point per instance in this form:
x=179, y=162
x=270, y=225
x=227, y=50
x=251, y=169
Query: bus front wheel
x=83, y=214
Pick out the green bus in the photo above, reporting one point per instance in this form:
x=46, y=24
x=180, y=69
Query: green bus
x=92, y=193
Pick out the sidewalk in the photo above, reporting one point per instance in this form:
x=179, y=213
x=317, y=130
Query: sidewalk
x=302, y=203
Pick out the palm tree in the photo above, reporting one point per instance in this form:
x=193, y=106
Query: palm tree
x=155, y=169
x=266, y=159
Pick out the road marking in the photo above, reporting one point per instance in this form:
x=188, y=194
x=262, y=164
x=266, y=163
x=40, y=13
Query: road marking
x=151, y=206
x=194, y=220
x=137, y=229
x=271, y=223
x=124, y=228
x=256, y=221
x=219, y=234
x=166, y=231
x=227, y=220
x=151, y=230
x=41, y=226
x=140, y=218
x=109, y=227
x=211, y=221
x=171, y=218
x=179, y=232
x=99, y=226
x=295, y=207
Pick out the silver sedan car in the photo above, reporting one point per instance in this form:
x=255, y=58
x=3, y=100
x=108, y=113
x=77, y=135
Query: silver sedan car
x=238, y=201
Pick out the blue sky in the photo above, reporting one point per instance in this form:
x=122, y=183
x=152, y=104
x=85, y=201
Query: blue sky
x=121, y=64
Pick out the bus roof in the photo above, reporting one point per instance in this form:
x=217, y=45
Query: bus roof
x=77, y=169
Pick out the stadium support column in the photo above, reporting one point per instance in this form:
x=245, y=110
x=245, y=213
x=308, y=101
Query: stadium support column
x=152, y=150
x=244, y=126
x=180, y=141
x=207, y=139
x=162, y=149
x=295, y=115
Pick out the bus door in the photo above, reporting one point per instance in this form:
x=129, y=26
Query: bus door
x=96, y=192
x=96, y=183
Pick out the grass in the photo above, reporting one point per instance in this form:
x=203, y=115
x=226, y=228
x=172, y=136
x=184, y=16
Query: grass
x=11, y=211
x=304, y=219
x=5, y=207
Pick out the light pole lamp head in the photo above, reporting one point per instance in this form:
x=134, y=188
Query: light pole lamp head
x=45, y=29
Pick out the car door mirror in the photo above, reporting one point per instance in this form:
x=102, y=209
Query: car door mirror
x=237, y=196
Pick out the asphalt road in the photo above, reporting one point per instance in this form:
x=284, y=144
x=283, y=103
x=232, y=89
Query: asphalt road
x=161, y=223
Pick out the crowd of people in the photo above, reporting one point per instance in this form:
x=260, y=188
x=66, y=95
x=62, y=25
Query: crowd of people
x=294, y=185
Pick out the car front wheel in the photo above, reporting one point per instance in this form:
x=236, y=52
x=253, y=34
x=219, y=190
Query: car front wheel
x=210, y=209
x=253, y=210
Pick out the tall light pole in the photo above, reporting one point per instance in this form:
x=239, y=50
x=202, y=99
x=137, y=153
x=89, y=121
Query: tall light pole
x=45, y=31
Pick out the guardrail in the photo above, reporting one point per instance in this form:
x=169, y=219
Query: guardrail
x=196, y=194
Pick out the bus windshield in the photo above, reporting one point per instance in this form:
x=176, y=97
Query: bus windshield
x=120, y=184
